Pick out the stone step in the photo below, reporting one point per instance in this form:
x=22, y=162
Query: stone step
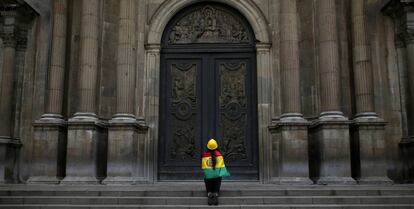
x=246, y=200
x=201, y=193
x=294, y=206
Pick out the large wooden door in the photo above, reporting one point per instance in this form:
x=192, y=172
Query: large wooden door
x=207, y=91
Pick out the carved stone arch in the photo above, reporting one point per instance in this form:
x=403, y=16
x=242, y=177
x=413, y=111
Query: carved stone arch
x=170, y=7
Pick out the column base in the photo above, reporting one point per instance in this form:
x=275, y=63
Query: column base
x=79, y=180
x=291, y=163
x=49, y=151
x=330, y=153
x=4, y=143
x=332, y=116
x=335, y=180
x=87, y=150
x=43, y=180
x=126, y=152
x=375, y=180
x=84, y=116
x=52, y=117
x=292, y=180
x=368, y=150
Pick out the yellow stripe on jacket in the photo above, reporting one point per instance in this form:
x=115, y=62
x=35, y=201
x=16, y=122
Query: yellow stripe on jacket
x=207, y=162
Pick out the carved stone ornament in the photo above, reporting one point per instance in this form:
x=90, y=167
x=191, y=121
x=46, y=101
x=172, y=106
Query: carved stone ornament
x=208, y=24
x=8, y=35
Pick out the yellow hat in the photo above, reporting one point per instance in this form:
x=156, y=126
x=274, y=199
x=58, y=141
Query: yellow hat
x=212, y=144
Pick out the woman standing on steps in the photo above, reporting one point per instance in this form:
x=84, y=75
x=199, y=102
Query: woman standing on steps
x=214, y=169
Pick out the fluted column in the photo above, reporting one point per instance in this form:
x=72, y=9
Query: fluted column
x=88, y=58
x=291, y=131
x=56, y=75
x=87, y=135
x=126, y=60
x=289, y=60
x=364, y=94
x=126, y=135
x=329, y=60
x=368, y=143
x=9, y=52
x=8, y=35
x=49, y=141
x=329, y=148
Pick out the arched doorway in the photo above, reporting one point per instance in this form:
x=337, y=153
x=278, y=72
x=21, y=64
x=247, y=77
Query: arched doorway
x=208, y=90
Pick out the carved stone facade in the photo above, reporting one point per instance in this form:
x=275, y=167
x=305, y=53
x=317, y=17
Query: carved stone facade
x=128, y=91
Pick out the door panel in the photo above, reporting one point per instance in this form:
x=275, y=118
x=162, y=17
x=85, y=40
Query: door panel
x=180, y=118
x=236, y=121
x=207, y=95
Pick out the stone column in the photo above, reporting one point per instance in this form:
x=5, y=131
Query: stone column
x=368, y=143
x=49, y=142
x=292, y=128
x=8, y=36
x=86, y=137
x=330, y=145
x=264, y=101
x=124, y=143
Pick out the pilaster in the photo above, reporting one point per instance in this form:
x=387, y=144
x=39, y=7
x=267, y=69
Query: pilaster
x=87, y=134
x=9, y=37
x=367, y=144
x=330, y=141
x=50, y=131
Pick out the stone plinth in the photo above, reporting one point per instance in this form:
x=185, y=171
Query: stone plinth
x=126, y=152
x=4, y=143
x=292, y=161
x=49, y=151
x=330, y=151
x=86, y=151
x=368, y=151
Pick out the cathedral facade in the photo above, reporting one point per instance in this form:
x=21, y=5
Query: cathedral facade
x=130, y=91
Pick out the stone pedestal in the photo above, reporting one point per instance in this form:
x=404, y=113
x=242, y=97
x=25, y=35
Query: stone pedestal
x=86, y=150
x=293, y=162
x=407, y=149
x=126, y=152
x=4, y=143
x=330, y=151
x=49, y=151
x=368, y=151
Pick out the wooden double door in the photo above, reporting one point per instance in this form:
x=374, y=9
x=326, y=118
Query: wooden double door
x=207, y=95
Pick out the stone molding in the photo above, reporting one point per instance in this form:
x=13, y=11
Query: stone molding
x=279, y=125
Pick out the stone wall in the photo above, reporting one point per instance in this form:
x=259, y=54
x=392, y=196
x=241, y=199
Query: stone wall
x=30, y=86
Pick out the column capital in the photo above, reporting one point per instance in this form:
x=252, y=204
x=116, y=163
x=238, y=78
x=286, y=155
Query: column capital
x=8, y=35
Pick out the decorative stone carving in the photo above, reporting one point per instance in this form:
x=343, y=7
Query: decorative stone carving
x=208, y=24
x=8, y=35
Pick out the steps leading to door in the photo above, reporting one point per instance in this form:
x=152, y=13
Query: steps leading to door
x=192, y=195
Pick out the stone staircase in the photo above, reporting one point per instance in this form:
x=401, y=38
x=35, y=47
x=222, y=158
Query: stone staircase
x=192, y=195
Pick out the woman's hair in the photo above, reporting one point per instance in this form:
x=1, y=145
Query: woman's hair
x=213, y=157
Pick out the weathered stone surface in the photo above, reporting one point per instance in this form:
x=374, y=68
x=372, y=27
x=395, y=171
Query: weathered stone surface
x=387, y=48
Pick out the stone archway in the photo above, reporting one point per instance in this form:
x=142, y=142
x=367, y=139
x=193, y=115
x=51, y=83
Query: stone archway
x=263, y=65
